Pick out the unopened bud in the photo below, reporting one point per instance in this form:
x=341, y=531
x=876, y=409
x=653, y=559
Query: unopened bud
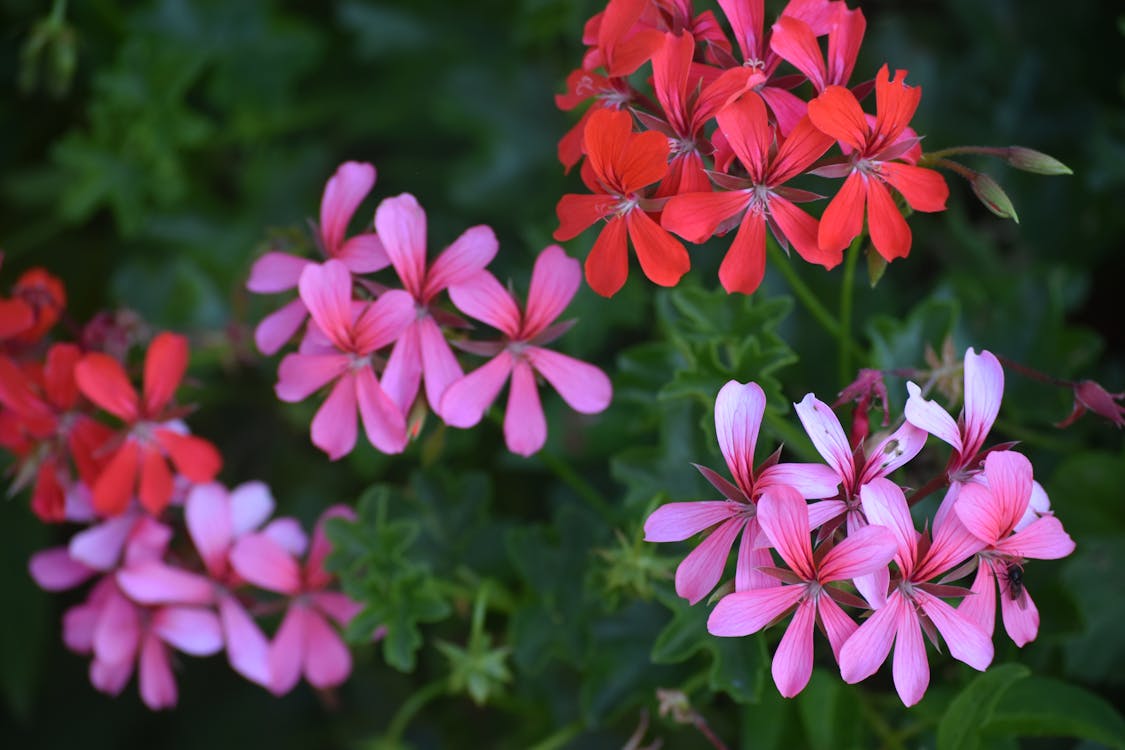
x=1030, y=160
x=876, y=267
x=1089, y=395
x=993, y=196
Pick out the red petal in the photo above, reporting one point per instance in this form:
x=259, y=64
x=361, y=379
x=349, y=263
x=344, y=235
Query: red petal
x=114, y=488
x=58, y=375
x=801, y=231
x=194, y=457
x=804, y=145
x=696, y=216
x=156, y=481
x=607, y=265
x=843, y=219
x=605, y=138
x=889, y=233
x=924, y=189
x=795, y=42
x=837, y=112
x=745, y=262
x=101, y=379
x=663, y=259
x=577, y=212
x=746, y=126
x=644, y=161
x=165, y=364
x=895, y=103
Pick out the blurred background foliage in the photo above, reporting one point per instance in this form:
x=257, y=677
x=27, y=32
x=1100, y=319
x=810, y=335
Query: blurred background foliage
x=152, y=149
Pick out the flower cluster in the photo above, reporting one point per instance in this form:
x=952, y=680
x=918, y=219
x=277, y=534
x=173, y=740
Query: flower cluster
x=856, y=544
x=177, y=562
x=726, y=134
x=386, y=350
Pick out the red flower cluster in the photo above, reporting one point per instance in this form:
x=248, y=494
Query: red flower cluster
x=725, y=134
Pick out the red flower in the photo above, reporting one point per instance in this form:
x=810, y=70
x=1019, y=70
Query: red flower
x=873, y=153
x=621, y=164
x=37, y=302
x=150, y=441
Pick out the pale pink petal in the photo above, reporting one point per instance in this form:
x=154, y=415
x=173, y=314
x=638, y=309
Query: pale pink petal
x=79, y=625
x=930, y=417
x=885, y=505
x=383, y=421
x=812, y=481
x=554, y=281
x=979, y=607
x=247, y=647
x=363, y=254
x=837, y=625
x=148, y=540
x=315, y=574
x=862, y=552
x=275, y=272
x=337, y=606
x=266, y=564
x=738, y=417
x=251, y=503
x=784, y=515
x=287, y=651
x=584, y=388
x=948, y=504
x=189, y=629
x=55, y=570
x=440, y=366
x=401, y=224
x=110, y=678
x=893, y=451
x=793, y=660
x=301, y=375
x=873, y=587
x=1044, y=539
x=483, y=298
x=984, y=387
x=333, y=429
x=910, y=668
x=327, y=660
x=155, y=681
x=525, y=427
x=746, y=612
x=343, y=193
x=867, y=649
x=279, y=327
x=823, y=428
x=403, y=375
x=1021, y=617
x=118, y=630
x=207, y=514
x=966, y=641
x=468, y=255
x=154, y=582
x=465, y=400
x=1038, y=505
x=674, y=522
x=824, y=511
x=383, y=321
x=702, y=569
x=100, y=546
x=750, y=558
x=327, y=293
x=287, y=532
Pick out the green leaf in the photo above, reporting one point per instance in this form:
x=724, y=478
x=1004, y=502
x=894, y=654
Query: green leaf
x=973, y=707
x=1045, y=707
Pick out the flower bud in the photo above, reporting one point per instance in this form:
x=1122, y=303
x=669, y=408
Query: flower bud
x=993, y=196
x=1030, y=160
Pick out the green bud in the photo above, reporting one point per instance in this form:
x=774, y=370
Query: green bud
x=993, y=196
x=1030, y=160
x=876, y=266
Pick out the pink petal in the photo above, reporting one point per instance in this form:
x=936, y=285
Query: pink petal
x=438, y=363
x=525, y=427
x=154, y=582
x=885, y=505
x=862, y=552
x=383, y=421
x=837, y=625
x=468, y=255
x=337, y=606
x=327, y=660
x=263, y=562
x=1021, y=617
x=483, y=298
x=275, y=272
x=401, y=224
x=345, y=190
x=315, y=574
x=674, y=522
x=287, y=651
x=363, y=254
x=585, y=388
x=793, y=660
x=783, y=514
x=156, y=683
x=979, y=607
x=966, y=641
x=247, y=648
x=208, y=518
x=894, y=451
x=554, y=281
x=279, y=327
x=738, y=417
x=251, y=503
x=867, y=649
x=79, y=625
x=327, y=293
x=952, y=545
x=751, y=557
x=383, y=321
x=812, y=481
x=189, y=629
x=403, y=375
x=702, y=569
x=824, y=511
x=118, y=630
x=1044, y=539
x=465, y=400
x=148, y=540
x=930, y=417
x=823, y=428
x=110, y=678
x=333, y=429
x=746, y=612
x=1009, y=481
x=55, y=570
x=911, y=670
x=287, y=532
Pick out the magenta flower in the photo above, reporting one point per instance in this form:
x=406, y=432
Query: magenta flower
x=305, y=643
x=421, y=353
x=738, y=418
x=355, y=332
x=984, y=388
x=914, y=604
x=784, y=517
x=521, y=355
x=279, y=272
x=994, y=512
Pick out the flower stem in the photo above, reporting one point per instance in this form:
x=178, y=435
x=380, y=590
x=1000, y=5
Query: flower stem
x=847, y=294
x=581, y=487
x=559, y=738
x=410, y=707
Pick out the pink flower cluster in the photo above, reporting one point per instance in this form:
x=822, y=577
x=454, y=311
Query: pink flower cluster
x=379, y=348
x=857, y=544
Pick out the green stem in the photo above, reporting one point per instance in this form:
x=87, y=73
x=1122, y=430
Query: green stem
x=847, y=294
x=411, y=706
x=803, y=293
x=581, y=487
x=559, y=738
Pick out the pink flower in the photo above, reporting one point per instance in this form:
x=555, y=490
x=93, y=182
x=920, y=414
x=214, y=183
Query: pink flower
x=279, y=272
x=554, y=281
x=305, y=643
x=354, y=332
x=914, y=604
x=421, y=352
x=994, y=512
x=984, y=388
x=784, y=517
x=738, y=418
